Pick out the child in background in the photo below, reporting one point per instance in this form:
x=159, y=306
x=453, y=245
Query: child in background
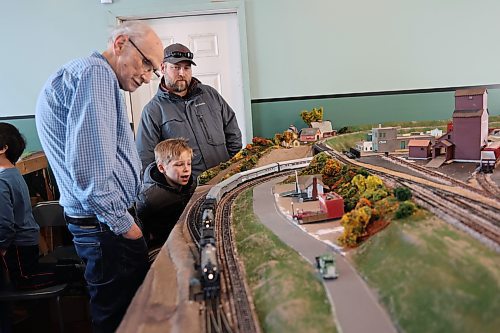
x=168, y=186
x=19, y=233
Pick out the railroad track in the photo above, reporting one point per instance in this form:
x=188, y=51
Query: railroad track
x=233, y=310
x=485, y=226
x=437, y=176
x=216, y=318
x=488, y=185
x=233, y=280
x=478, y=219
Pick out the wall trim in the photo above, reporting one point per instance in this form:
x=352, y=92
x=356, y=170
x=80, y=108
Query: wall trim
x=18, y=117
x=374, y=93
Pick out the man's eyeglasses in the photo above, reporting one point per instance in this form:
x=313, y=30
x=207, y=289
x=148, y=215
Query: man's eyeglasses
x=145, y=61
x=179, y=54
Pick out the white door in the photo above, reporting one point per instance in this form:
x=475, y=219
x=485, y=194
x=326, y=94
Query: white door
x=214, y=40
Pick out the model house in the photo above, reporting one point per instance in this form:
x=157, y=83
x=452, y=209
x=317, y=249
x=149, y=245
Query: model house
x=419, y=149
x=364, y=146
x=403, y=141
x=384, y=139
x=310, y=134
x=313, y=186
x=325, y=128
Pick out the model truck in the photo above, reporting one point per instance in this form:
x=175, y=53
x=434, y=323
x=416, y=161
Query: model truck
x=326, y=266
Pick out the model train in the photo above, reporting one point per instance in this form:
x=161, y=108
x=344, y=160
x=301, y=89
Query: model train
x=489, y=157
x=209, y=266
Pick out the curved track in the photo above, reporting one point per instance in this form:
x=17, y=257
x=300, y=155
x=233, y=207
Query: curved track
x=232, y=276
x=488, y=185
x=233, y=311
x=216, y=319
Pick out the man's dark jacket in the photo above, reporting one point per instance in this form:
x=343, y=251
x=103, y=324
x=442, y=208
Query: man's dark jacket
x=160, y=205
x=202, y=117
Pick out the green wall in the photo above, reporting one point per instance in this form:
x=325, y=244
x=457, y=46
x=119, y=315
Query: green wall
x=275, y=117
x=293, y=48
x=28, y=130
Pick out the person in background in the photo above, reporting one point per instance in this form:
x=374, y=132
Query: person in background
x=168, y=186
x=84, y=130
x=19, y=233
x=184, y=107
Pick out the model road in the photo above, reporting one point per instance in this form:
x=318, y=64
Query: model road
x=356, y=306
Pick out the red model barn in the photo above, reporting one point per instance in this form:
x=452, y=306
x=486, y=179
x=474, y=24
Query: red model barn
x=310, y=134
x=470, y=124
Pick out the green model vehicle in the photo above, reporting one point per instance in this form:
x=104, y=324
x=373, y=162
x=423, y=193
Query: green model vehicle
x=326, y=266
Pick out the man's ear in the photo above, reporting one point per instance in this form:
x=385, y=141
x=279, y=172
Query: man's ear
x=163, y=67
x=4, y=149
x=119, y=44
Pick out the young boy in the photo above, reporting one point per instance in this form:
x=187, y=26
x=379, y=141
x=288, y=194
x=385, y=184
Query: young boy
x=19, y=232
x=168, y=186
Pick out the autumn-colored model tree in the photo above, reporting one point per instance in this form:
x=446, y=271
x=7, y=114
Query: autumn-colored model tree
x=287, y=137
x=259, y=141
x=316, y=114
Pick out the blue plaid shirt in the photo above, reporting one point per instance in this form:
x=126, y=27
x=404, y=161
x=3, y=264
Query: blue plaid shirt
x=83, y=127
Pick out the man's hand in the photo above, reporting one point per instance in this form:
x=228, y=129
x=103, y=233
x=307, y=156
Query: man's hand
x=3, y=252
x=133, y=233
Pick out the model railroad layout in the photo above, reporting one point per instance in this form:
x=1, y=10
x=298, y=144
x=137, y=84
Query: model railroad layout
x=477, y=218
x=487, y=187
x=221, y=282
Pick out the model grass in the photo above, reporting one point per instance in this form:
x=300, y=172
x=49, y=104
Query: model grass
x=432, y=277
x=287, y=292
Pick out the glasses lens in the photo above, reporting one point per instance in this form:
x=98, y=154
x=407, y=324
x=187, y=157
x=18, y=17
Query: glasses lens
x=146, y=62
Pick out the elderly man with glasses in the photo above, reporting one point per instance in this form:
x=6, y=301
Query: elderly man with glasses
x=184, y=107
x=84, y=129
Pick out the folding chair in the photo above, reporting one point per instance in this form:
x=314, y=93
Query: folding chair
x=51, y=214
x=9, y=295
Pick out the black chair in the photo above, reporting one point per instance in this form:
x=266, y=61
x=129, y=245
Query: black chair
x=10, y=295
x=51, y=214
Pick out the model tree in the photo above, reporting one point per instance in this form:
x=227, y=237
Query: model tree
x=316, y=114
x=287, y=137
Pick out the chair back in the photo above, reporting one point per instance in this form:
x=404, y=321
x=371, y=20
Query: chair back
x=49, y=214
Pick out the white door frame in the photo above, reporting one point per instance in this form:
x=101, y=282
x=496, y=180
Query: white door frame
x=239, y=10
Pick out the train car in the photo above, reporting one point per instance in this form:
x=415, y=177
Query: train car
x=294, y=164
x=218, y=191
x=319, y=147
x=355, y=152
x=489, y=157
x=209, y=271
x=209, y=268
x=207, y=233
x=258, y=172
